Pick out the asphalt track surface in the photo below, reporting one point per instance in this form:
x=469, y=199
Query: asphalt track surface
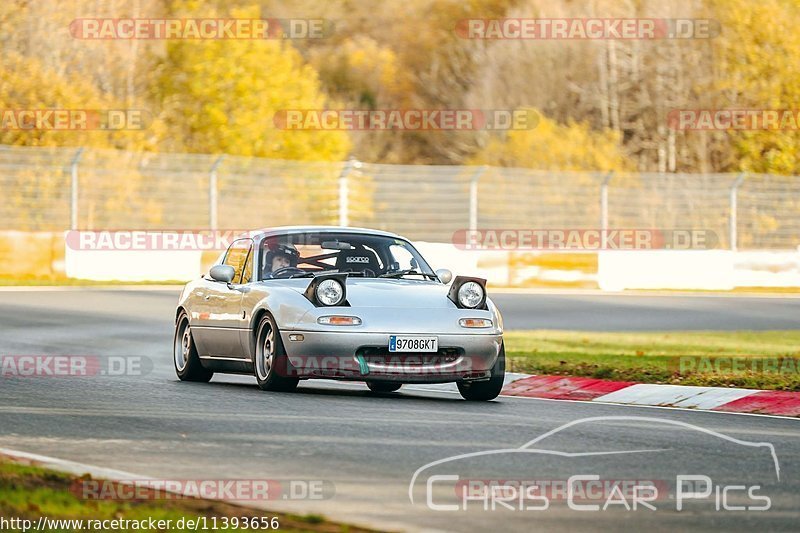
x=366, y=448
x=592, y=311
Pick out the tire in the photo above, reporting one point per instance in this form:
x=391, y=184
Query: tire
x=383, y=386
x=482, y=391
x=184, y=354
x=270, y=363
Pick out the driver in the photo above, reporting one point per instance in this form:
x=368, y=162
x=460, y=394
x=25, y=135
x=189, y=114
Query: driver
x=280, y=256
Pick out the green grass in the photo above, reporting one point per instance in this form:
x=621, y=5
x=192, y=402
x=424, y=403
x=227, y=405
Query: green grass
x=29, y=492
x=656, y=357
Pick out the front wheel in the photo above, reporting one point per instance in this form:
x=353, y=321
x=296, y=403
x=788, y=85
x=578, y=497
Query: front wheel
x=481, y=391
x=382, y=386
x=272, y=367
x=184, y=354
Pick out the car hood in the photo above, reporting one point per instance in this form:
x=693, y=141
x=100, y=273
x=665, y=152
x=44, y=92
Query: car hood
x=397, y=293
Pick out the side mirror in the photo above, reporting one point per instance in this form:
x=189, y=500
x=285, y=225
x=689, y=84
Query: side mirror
x=222, y=273
x=444, y=275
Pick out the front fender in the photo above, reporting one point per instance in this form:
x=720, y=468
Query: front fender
x=286, y=305
x=496, y=316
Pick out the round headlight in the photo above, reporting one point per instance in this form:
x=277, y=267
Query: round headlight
x=470, y=294
x=330, y=292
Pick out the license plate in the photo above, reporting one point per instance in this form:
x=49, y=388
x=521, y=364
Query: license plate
x=403, y=343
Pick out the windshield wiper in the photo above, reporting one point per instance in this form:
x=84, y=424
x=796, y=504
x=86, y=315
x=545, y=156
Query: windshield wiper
x=350, y=273
x=304, y=275
x=401, y=273
x=314, y=274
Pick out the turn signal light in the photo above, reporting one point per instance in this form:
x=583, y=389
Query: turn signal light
x=475, y=323
x=337, y=320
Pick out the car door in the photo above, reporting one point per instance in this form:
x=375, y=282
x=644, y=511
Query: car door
x=223, y=301
x=247, y=304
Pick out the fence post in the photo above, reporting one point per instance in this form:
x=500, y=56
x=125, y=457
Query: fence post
x=734, y=206
x=604, y=202
x=473, y=199
x=73, y=200
x=344, y=191
x=213, y=190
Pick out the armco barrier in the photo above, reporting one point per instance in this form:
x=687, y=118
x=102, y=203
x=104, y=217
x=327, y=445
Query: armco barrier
x=697, y=269
x=133, y=265
x=766, y=268
x=34, y=255
x=163, y=265
x=665, y=269
x=31, y=254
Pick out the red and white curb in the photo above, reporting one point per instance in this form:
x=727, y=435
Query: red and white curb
x=778, y=403
x=781, y=403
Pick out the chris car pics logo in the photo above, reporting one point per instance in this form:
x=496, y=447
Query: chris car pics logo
x=451, y=484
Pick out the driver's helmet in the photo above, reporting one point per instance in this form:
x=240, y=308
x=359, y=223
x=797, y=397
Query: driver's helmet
x=280, y=250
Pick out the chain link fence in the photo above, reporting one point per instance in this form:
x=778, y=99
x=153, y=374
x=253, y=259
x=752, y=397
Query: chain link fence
x=62, y=188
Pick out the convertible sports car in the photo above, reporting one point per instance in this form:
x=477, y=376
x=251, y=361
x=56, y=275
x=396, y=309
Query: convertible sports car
x=343, y=303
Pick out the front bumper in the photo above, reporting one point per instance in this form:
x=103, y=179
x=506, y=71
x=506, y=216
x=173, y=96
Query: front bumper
x=364, y=356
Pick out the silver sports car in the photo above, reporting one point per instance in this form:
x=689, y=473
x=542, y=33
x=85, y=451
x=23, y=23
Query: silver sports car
x=342, y=303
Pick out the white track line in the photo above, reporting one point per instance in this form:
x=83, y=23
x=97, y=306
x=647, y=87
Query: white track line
x=109, y=474
x=71, y=467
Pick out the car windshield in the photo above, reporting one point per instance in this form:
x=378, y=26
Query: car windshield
x=363, y=255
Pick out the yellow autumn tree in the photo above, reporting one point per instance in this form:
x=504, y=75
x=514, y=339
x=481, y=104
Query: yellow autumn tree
x=29, y=86
x=35, y=189
x=758, y=51
x=221, y=96
x=553, y=146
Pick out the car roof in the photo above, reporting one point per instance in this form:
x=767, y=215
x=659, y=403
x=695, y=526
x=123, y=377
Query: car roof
x=284, y=230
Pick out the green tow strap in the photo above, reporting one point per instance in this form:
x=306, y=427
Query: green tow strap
x=362, y=365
